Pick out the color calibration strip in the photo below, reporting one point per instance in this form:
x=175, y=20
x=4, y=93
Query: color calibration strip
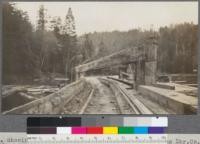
x=107, y=121
x=77, y=125
x=97, y=130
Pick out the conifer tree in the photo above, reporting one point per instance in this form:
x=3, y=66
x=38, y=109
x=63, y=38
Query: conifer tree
x=18, y=58
x=56, y=26
x=69, y=43
x=42, y=18
x=69, y=27
x=40, y=30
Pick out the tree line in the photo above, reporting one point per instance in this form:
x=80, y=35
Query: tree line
x=177, y=45
x=53, y=47
x=30, y=53
x=178, y=48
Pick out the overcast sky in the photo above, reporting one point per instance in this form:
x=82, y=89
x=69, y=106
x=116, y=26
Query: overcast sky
x=122, y=16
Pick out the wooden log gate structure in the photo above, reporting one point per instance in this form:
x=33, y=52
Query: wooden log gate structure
x=137, y=65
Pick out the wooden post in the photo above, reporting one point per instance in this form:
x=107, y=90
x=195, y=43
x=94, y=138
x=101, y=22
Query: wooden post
x=151, y=61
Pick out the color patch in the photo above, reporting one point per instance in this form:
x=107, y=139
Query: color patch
x=143, y=122
x=159, y=122
x=47, y=130
x=130, y=121
x=156, y=130
x=140, y=130
x=79, y=130
x=125, y=130
x=110, y=130
x=94, y=130
x=64, y=130
x=34, y=130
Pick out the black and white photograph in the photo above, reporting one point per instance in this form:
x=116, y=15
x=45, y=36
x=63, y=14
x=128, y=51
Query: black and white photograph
x=100, y=58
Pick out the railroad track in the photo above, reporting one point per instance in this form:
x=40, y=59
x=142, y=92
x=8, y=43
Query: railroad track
x=87, y=102
x=117, y=101
x=101, y=100
x=76, y=104
x=136, y=106
x=123, y=103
